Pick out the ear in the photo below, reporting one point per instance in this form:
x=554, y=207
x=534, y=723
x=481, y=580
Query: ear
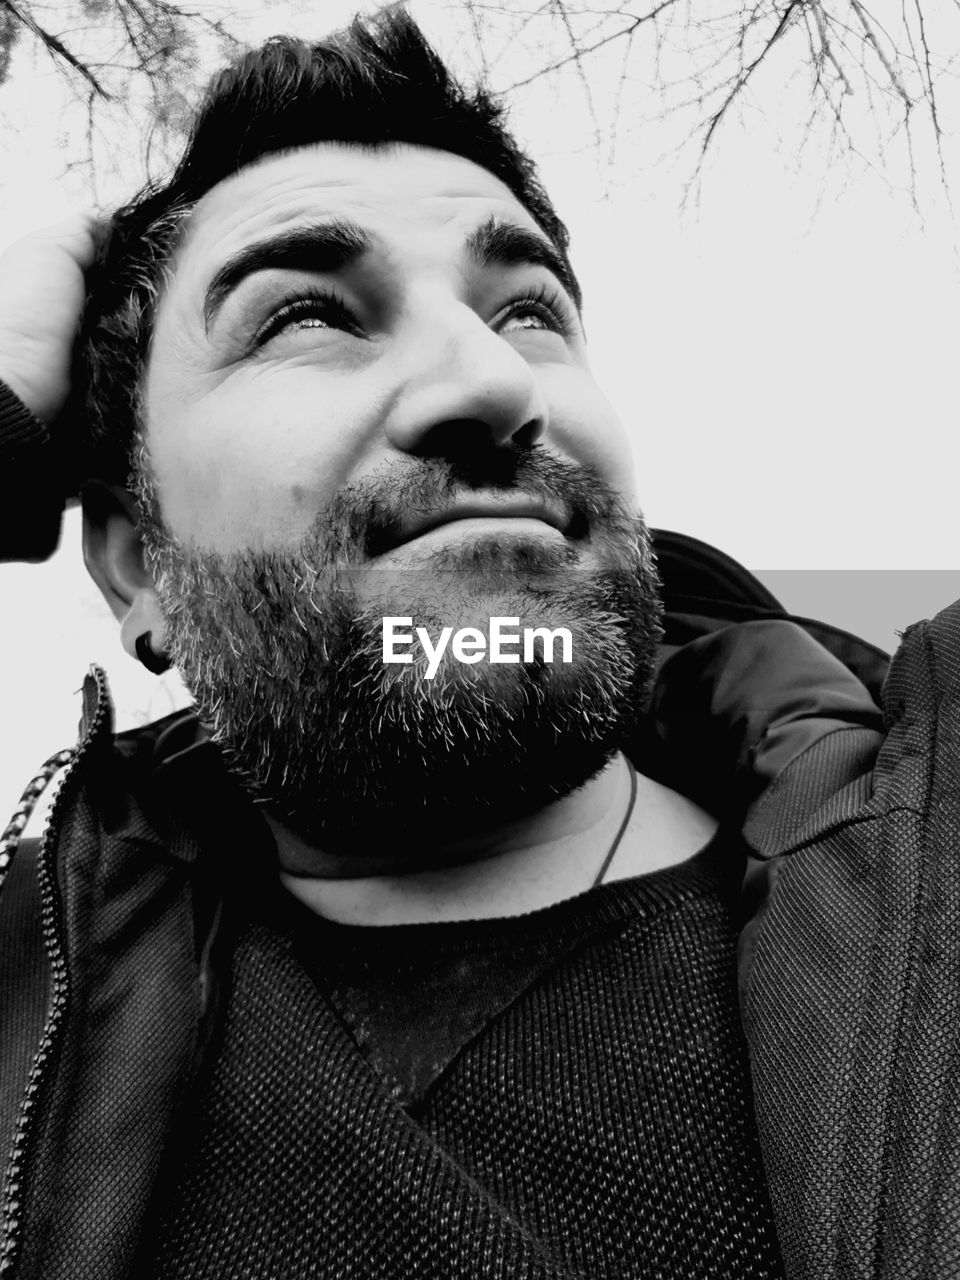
x=113, y=554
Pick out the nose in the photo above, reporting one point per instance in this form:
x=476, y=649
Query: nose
x=462, y=385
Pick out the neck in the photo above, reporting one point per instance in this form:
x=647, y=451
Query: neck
x=520, y=866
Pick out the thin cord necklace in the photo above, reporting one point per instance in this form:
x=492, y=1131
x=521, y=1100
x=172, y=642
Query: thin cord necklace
x=623, y=826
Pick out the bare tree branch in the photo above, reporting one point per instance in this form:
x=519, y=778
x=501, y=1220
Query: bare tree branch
x=860, y=78
x=888, y=66
x=579, y=54
x=743, y=79
x=54, y=46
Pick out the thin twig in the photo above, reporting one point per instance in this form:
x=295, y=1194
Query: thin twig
x=745, y=75
x=874, y=43
x=55, y=47
x=591, y=48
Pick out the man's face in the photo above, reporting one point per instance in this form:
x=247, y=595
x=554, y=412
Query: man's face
x=308, y=375
x=368, y=394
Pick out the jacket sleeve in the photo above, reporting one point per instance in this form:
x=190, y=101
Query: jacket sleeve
x=851, y=986
x=31, y=483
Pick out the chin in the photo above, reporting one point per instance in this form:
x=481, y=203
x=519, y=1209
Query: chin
x=373, y=750
x=286, y=661
x=461, y=791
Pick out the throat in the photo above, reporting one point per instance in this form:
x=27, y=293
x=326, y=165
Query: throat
x=616, y=824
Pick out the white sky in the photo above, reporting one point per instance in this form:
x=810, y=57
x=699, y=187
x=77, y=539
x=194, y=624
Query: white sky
x=786, y=373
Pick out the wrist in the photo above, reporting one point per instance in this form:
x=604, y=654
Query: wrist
x=21, y=428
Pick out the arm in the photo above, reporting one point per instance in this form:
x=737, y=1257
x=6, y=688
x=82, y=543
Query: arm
x=41, y=297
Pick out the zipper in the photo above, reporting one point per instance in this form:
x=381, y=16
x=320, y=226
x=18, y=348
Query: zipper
x=51, y=929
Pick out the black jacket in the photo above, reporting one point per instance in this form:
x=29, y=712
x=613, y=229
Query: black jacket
x=850, y=957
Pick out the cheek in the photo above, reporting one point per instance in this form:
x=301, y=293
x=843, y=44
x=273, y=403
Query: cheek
x=585, y=426
x=252, y=461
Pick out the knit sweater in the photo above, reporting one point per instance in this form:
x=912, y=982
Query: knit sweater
x=597, y=1123
x=31, y=483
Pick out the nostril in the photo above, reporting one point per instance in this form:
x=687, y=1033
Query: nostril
x=467, y=437
x=528, y=434
x=454, y=438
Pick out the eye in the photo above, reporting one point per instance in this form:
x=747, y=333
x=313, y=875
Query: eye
x=314, y=309
x=544, y=309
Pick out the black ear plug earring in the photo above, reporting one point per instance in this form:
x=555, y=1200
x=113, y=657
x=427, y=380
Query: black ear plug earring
x=154, y=662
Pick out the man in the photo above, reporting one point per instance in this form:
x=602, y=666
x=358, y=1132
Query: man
x=429, y=980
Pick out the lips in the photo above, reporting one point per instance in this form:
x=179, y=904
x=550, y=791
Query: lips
x=486, y=505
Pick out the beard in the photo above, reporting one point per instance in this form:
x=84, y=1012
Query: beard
x=283, y=652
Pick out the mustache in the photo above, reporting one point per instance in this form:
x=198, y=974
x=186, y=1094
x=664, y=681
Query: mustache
x=366, y=516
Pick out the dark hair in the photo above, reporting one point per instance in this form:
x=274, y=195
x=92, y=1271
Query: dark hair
x=375, y=83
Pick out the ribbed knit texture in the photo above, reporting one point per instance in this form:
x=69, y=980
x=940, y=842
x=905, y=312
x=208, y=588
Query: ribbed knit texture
x=31, y=485
x=598, y=1126
x=21, y=430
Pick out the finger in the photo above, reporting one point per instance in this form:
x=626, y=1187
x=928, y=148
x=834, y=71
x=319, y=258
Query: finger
x=76, y=233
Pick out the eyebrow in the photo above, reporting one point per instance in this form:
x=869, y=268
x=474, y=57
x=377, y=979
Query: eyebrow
x=327, y=246
x=498, y=243
x=337, y=243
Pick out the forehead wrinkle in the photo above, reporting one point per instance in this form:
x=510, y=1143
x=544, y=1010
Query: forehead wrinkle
x=357, y=177
x=380, y=190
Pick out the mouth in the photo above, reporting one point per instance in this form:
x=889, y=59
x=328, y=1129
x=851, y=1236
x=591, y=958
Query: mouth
x=475, y=514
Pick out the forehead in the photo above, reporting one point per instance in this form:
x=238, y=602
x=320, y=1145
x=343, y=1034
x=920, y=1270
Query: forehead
x=395, y=191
